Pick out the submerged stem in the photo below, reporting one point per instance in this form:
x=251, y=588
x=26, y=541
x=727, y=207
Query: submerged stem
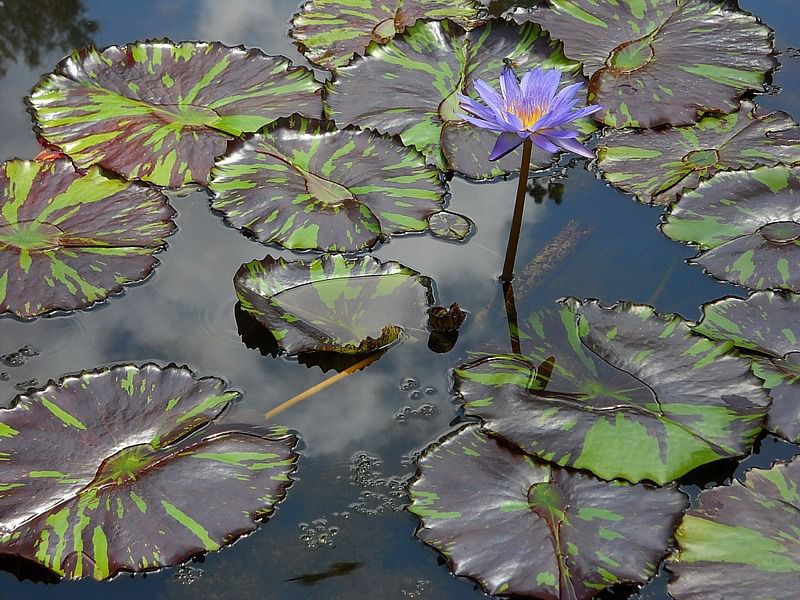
x=322, y=385
x=519, y=205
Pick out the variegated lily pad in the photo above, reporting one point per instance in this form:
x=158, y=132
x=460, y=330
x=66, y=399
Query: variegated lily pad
x=305, y=185
x=624, y=392
x=766, y=323
x=661, y=61
x=741, y=540
x=118, y=470
x=525, y=528
x=69, y=240
x=747, y=225
x=161, y=112
x=657, y=165
x=449, y=226
x=415, y=80
x=330, y=32
x=334, y=304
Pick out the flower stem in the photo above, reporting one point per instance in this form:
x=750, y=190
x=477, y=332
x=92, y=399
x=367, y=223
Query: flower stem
x=511, y=317
x=519, y=205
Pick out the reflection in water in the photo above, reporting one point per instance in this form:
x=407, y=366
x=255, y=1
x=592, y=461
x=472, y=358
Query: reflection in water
x=31, y=29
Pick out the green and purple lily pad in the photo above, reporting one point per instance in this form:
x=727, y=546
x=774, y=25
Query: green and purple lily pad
x=767, y=325
x=747, y=226
x=125, y=469
x=330, y=32
x=623, y=392
x=656, y=166
x=69, y=240
x=162, y=112
x=660, y=62
x=525, y=528
x=415, y=81
x=334, y=303
x=304, y=185
x=741, y=540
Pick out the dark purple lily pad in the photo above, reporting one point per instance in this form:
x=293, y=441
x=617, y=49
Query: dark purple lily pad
x=305, y=185
x=741, y=540
x=69, y=240
x=414, y=83
x=118, y=470
x=769, y=324
x=329, y=33
x=747, y=225
x=450, y=226
x=522, y=527
x=333, y=303
x=660, y=62
x=623, y=392
x=657, y=165
x=161, y=112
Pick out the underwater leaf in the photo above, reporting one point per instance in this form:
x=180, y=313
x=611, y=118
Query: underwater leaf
x=161, y=112
x=330, y=32
x=410, y=87
x=767, y=323
x=657, y=165
x=522, y=527
x=623, y=392
x=118, y=470
x=741, y=540
x=333, y=303
x=662, y=61
x=69, y=240
x=449, y=226
x=747, y=225
x=304, y=185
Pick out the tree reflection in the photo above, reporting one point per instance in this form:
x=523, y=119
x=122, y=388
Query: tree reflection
x=32, y=28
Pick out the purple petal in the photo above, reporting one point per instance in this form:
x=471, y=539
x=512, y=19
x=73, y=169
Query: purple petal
x=560, y=133
x=509, y=85
x=483, y=124
x=545, y=144
x=489, y=95
x=506, y=142
x=477, y=109
x=566, y=94
x=586, y=111
x=549, y=85
x=573, y=146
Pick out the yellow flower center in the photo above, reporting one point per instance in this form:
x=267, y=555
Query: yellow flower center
x=528, y=115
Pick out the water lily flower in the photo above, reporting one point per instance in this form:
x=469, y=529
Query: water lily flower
x=531, y=109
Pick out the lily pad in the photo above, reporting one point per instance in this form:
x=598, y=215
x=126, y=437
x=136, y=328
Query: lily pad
x=305, y=185
x=747, y=225
x=411, y=86
x=662, y=61
x=657, y=165
x=767, y=323
x=333, y=303
x=741, y=541
x=69, y=240
x=330, y=32
x=118, y=470
x=161, y=112
x=522, y=527
x=449, y=226
x=624, y=392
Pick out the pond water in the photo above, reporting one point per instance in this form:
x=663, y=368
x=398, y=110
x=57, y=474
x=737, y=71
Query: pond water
x=352, y=436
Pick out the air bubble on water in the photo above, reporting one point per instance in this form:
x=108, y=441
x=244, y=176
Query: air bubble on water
x=416, y=593
x=4, y=377
x=409, y=383
x=430, y=390
x=414, y=395
x=188, y=575
x=24, y=385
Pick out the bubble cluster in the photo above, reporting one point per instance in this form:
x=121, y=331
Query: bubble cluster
x=410, y=459
x=407, y=412
x=27, y=384
x=319, y=534
x=409, y=383
x=379, y=493
x=417, y=592
x=188, y=575
x=17, y=359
